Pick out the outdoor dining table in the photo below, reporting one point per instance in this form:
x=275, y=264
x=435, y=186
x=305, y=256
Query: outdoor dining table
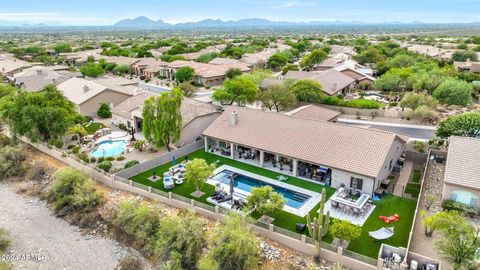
x=359, y=203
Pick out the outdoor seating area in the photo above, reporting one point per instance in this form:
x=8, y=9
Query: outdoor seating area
x=174, y=176
x=347, y=205
x=228, y=200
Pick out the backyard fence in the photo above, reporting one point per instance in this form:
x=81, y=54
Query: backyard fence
x=162, y=159
x=288, y=238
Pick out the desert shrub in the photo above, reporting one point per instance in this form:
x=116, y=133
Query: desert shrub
x=73, y=191
x=37, y=170
x=56, y=143
x=105, y=165
x=122, y=126
x=420, y=146
x=84, y=156
x=460, y=207
x=100, y=159
x=4, y=240
x=93, y=160
x=4, y=140
x=110, y=158
x=130, y=263
x=120, y=158
x=131, y=163
x=71, y=146
x=75, y=149
x=11, y=160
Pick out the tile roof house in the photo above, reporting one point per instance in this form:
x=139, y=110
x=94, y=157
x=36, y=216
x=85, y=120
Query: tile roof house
x=34, y=79
x=148, y=67
x=462, y=173
x=470, y=66
x=11, y=66
x=196, y=115
x=87, y=95
x=333, y=82
x=314, y=112
x=351, y=156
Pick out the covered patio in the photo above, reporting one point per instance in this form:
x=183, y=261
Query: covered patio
x=350, y=206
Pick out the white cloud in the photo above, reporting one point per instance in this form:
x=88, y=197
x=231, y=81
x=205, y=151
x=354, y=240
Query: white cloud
x=292, y=4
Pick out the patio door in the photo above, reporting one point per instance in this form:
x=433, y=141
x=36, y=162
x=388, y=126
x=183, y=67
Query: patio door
x=356, y=183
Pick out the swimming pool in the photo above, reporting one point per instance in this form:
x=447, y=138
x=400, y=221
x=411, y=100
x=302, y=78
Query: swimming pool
x=292, y=198
x=109, y=148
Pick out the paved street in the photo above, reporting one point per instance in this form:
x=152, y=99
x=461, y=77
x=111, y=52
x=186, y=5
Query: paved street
x=413, y=131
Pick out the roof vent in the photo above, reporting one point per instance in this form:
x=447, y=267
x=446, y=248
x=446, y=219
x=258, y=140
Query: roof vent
x=234, y=118
x=86, y=88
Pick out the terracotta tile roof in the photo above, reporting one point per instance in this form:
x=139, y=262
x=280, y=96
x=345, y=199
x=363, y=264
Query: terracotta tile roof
x=332, y=81
x=348, y=148
x=463, y=159
x=125, y=108
x=208, y=70
x=313, y=112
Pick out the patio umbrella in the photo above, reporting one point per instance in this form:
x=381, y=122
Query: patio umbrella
x=174, y=160
x=232, y=183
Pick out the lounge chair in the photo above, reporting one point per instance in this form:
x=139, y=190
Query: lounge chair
x=382, y=233
x=224, y=199
x=168, y=183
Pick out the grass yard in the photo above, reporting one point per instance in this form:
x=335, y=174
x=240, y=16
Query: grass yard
x=413, y=189
x=93, y=127
x=417, y=175
x=365, y=245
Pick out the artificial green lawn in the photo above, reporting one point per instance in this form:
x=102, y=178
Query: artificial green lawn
x=413, y=189
x=417, y=175
x=364, y=245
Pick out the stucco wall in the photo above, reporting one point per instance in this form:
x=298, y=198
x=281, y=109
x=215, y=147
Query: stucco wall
x=341, y=177
x=91, y=106
x=394, y=154
x=196, y=127
x=448, y=189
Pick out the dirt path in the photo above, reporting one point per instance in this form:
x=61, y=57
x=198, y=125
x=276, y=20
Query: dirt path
x=52, y=241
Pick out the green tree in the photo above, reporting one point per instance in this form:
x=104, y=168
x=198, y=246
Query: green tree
x=232, y=247
x=62, y=48
x=92, y=70
x=207, y=57
x=370, y=55
x=104, y=111
x=121, y=69
x=278, y=60
x=424, y=113
x=265, y=201
x=184, y=74
x=318, y=227
x=401, y=61
x=289, y=67
x=197, y=171
x=39, y=115
x=463, y=56
x=162, y=118
x=187, y=89
x=345, y=230
x=105, y=165
x=455, y=92
x=414, y=100
x=233, y=72
x=277, y=96
x=240, y=90
x=465, y=125
x=460, y=240
x=312, y=59
x=139, y=145
x=307, y=91
x=7, y=90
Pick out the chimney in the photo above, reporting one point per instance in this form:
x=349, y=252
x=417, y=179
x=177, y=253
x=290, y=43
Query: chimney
x=86, y=88
x=234, y=118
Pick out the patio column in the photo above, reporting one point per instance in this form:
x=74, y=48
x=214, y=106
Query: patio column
x=295, y=167
x=206, y=144
x=232, y=151
x=262, y=157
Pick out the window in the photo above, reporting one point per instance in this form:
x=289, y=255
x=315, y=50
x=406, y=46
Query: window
x=356, y=183
x=453, y=197
x=473, y=202
x=222, y=144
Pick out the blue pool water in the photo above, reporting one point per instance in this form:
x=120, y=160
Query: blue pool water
x=246, y=183
x=109, y=149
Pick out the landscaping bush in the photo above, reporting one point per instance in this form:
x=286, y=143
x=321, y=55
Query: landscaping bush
x=93, y=160
x=75, y=149
x=104, y=111
x=4, y=140
x=100, y=159
x=122, y=126
x=420, y=146
x=131, y=163
x=110, y=158
x=120, y=158
x=4, y=240
x=460, y=207
x=71, y=146
x=37, y=170
x=362, y=104
x=73, y=191
x=11, y=160
x=130, y=263
x=84, y=156
x=105, y=165
x=56, y=143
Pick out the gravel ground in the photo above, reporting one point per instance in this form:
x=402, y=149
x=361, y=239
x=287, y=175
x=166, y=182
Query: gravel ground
x=42, y=241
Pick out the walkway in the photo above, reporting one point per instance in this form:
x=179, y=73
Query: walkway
x=403, y=179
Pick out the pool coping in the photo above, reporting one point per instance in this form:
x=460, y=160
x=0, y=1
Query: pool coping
x=315, y=197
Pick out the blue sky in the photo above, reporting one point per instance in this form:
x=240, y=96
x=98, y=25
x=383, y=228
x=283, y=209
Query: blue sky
x=102, y=12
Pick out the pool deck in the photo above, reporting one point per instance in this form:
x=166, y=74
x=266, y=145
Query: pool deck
x=302, y=211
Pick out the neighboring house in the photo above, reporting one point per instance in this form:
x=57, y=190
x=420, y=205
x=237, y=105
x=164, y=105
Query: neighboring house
x=339, y=155
x=205, y=74
x=80, y=58
x=462, y=171
x=431, y=51
x=258, y=60
x=10, y=67
x=342, y=50
x=223, y=61
x=467, y=66
x=34, y=79
x=87, y=95
x=359, y=77
x=314, y=112
x=196, y=116
x=148, y=67
x=333, y=82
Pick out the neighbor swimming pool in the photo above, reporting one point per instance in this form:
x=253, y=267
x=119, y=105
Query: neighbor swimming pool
x=109, y=148
x=292, y=198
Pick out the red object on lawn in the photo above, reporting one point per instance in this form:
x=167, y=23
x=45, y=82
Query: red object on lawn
x=387, y=220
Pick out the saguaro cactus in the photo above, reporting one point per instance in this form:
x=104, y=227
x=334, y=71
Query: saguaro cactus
x=318, y=228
